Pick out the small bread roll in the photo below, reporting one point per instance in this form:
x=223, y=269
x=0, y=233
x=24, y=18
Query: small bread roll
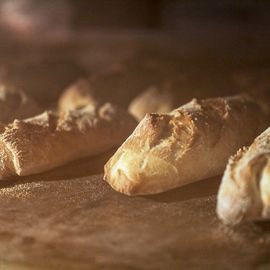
x=171, y=93
x=117, y=85
x=15, y=104
x=161, y=97
x=244, y=193
x=47, y=141
x=152, y=100
x=78, y=95
x=191, y=143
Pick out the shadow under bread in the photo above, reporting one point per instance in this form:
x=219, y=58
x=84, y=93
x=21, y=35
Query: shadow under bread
x=203, y=188
x=76, y=169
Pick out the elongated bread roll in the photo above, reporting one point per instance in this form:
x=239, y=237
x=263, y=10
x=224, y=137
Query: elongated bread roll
x=15, y=104
x=152, y=100
x=78, y=95
x=116, y=84
x=191, y=143
x=47, y=141
x=170, y=94
x=244, y=193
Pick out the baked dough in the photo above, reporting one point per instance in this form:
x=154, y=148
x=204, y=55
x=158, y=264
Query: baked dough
x=244, y=193
x=170, y=94
x=15, y=104
x=152, y=99
x=78, y=95
x=117, y=84
x=47, y=141
x=191, y=143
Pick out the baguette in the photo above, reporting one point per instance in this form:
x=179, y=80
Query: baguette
x=15, y=105
x=170, y=94
x=152, y=99
x=47, y=141
x=191, y=143
x=244, y=193
x=78, y=95
x=117, y=84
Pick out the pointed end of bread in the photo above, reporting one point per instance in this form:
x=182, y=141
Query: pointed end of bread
x=134, y=173
x=6, y=165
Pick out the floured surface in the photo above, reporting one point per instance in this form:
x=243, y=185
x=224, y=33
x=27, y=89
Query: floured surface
x=83, y=224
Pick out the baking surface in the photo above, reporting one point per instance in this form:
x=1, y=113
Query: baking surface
x=81, y=223
x=67, y=219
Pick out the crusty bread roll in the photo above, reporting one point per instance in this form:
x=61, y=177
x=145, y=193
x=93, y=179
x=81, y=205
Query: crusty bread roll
x=15, y=104
x=172, y=93
x=191, y=143
x=163, y=97
x=118, y=84
x=47, y=141
x=78, y=95
x=151, y=100
x=244, y=193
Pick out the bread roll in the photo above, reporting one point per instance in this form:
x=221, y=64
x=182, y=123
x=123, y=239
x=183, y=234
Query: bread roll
x=191, y=143
x=118, y=84
x=244, y=193
x=15, y=104
x=47, y=141
x=78, y=95
x=151, y=100
x=172, y=93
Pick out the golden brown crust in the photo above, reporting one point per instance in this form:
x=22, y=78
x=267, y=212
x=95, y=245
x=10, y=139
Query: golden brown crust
x=78, y=95
x=46, y=141
x=15, y=104
x=152, y=100
x=191, y=143
x=244, y=193
x=169, y=94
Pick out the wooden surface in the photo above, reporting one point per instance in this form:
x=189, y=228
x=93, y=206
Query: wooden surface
x=81, y=223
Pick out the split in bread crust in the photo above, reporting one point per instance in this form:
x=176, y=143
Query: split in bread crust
x=189, y=144
x=244, y=193
x=47, y=141
x=15, y=104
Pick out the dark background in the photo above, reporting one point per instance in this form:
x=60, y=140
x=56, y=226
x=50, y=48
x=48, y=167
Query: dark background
x=46, y=45
x=167, y=15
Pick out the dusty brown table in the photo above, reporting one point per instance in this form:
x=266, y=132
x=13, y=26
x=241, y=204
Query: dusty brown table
x=64, y=220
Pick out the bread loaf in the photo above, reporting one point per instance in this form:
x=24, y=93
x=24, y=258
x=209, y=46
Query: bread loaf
x=244, y=193
x=78, y=95
x=189, y=144
x=171, y=93
x=152, y=100
x=47, y=141
x=118, y=84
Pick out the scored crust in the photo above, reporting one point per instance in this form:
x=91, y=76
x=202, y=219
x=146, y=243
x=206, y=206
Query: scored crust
x=191, y=143
x=244, y=193
x=47, y=141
